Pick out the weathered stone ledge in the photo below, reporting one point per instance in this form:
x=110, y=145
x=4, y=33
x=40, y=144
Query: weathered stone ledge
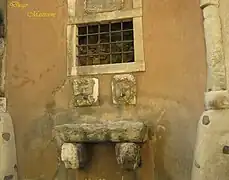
x=121, y=131
x=217, y=100
x=205, y=3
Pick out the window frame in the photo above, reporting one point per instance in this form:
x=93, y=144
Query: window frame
x=135, y=14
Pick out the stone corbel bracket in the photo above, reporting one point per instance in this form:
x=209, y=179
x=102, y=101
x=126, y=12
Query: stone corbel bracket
x=71, y=139
x=128, y=155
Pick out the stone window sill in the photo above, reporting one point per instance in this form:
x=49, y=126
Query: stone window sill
x=108, y=68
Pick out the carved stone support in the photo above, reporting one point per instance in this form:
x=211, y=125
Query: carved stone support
x=74, y=155
x=128, y=155
x=72, y=139
x=211, y=160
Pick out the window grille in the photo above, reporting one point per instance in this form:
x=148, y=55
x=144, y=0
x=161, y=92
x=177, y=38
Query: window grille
x=105, y=43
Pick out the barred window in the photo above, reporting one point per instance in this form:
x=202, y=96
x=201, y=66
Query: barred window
x=105, y=43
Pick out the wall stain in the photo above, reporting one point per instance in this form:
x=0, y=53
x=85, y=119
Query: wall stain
x=48, y=70
x=24, y=81
x=39, y=133
x=161, y=140
x=15, y=76
x=16, y=68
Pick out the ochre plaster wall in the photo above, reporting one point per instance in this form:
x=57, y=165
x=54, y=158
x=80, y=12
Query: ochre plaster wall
x=174, y=83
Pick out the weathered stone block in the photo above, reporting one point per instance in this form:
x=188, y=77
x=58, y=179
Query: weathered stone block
x=211, y=159
x=8, y=157
x=121, y=131
x=97, y=6
x=2, y=47
x=204, y=3
x=224, y=17
x=73, y=155
x=85, y=91
x=128, y=155
x=124, y=89
x=2, y=104
x=71, y=7
x=217, y=100
x=214, y=48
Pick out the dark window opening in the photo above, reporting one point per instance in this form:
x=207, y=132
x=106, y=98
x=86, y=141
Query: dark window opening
x=105, y=43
